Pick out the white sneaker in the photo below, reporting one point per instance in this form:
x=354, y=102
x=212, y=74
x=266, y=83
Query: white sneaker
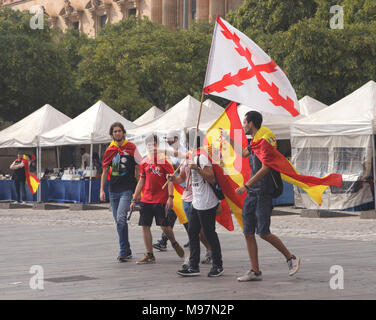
x=251, y=276
x=294, y=265
x=207, y=259
x=185, y=265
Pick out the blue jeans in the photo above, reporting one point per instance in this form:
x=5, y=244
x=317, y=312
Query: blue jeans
x=120, y=203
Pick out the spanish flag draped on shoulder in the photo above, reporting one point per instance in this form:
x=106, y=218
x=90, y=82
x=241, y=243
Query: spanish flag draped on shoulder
x=31, y=180
x=230, y=168
x=264, y=146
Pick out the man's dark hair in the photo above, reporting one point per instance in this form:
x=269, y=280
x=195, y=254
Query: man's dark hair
x=255, y=117
x=152, y=138
x=117, y=124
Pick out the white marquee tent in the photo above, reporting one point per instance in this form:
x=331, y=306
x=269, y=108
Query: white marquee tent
x=181, y=117
x=26, y=132
x=338, y=139
x=309, y=105
x=90, y=127
x=153, y=113
x=279, y=124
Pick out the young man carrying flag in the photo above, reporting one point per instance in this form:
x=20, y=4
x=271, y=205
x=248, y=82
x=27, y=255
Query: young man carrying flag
x=257, y=207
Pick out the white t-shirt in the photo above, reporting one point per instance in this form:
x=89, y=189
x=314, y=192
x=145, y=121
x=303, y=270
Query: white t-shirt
x=203, y=195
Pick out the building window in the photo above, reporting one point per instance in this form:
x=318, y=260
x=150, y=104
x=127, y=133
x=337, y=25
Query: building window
x=76, y=25
x=102, y=20
x=132, y=12
x=193, y=9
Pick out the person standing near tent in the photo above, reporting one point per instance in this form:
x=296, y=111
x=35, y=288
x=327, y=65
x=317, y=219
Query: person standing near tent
x=155, y=201
x=257, y=207
x=120, y=163
x=176, y=155
x=85, y=158
x=19, y=177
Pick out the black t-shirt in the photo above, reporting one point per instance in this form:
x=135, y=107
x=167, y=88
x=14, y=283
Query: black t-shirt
x=19, y=174
x=123, y=172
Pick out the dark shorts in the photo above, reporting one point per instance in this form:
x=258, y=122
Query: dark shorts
x=256, y=213
x=150, y=210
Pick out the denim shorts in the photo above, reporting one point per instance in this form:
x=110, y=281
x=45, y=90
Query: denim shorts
x=256, y=213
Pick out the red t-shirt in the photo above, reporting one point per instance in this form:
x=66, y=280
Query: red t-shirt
x=155, y=173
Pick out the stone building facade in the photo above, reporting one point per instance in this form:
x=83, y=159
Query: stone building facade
x=89, y=16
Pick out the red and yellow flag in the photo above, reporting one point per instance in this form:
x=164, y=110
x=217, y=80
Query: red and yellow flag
x=230, y=168
x=31, y=180
x=178, y=204
x=264, y=146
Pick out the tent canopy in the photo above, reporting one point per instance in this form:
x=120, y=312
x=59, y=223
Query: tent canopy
x=25, y=132
x=91, y=126
x=352, y=115
x=279, y=124
x=181, y=116
x=150, y=115
x=309, y=105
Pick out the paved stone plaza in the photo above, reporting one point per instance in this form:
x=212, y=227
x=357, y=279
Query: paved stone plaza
x=77, y=251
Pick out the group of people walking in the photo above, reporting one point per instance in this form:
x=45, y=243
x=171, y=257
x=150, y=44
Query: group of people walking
x=122, y=163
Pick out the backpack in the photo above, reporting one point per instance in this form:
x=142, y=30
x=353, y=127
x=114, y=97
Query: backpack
x=278, y=184
x=215, y=187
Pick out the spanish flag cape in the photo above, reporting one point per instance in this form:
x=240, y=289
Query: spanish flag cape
x=178, y=193
x=233, y=171
x=264, y=146
x=114, y=148
x=230, y=168
x=31, y=180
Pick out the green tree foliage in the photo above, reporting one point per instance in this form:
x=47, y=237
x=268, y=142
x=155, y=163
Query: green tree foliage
x=135, y=64
x=270, y=16
x=30, y=67
x=37, y=67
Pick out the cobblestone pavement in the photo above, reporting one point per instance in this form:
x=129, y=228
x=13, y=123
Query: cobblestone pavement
x=350, y=227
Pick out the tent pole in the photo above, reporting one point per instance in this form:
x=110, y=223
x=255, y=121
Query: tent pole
x=58, y=156
x=374, y=170
x=91, y=170
x=39, y=173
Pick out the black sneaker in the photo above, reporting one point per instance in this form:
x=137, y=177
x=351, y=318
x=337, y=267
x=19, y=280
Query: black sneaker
x=188, y=272
x=124, y=257
x=160, y=246
x=186, y=245
x=215, y=272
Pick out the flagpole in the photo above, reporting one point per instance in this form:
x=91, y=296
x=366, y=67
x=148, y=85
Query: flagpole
x=196, y=134
x=202, y=98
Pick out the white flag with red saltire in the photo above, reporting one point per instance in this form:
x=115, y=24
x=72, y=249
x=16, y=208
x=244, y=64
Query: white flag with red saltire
x=239, y=70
